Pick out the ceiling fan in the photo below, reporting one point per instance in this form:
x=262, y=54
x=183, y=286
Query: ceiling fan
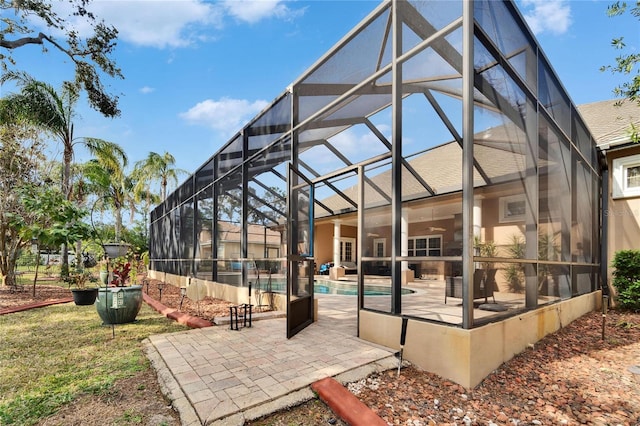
x=436, y=229
x=432, y=229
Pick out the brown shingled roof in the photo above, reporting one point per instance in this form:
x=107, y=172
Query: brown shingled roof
x=609, y=123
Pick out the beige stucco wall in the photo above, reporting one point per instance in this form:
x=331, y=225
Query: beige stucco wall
x=623, y=214
x=323, y=244
x=468, y=356
x=226, y=292
x=323, y=240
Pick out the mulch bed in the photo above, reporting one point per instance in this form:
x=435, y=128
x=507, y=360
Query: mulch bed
x=570, y=377
x=207, y=308
x=10, y=298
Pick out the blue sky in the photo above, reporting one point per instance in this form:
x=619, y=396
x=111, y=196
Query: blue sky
x=196, y=71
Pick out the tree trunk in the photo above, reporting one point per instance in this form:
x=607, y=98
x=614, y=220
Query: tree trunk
x=66, y=190
x=79, y=254
x=118, y=214
x=35, y=276
x=8, y=255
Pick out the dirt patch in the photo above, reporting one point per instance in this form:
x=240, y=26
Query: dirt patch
x=132, y=401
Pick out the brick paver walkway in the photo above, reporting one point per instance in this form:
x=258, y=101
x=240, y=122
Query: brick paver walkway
x=216, y=375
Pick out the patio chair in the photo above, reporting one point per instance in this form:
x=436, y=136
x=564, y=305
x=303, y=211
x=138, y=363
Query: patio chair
x=484, y=282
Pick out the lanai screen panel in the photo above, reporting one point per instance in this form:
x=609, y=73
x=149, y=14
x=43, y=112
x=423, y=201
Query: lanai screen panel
x=507, y=33
x=203, y=256
x=377, y=243
x=431, y=169
x=339, y=96
x=270, y=125
x=228, y=214
x=203, y=221
x=267, y=211
x=540, y=180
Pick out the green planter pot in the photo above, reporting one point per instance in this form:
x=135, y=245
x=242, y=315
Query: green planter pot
x=84, y=296
x=119, y=305
x=104, y=277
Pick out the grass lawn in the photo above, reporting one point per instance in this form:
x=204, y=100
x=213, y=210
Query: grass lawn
x=51, y=356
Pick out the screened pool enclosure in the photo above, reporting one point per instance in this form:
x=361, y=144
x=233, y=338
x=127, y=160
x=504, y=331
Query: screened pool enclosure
x=433, y=147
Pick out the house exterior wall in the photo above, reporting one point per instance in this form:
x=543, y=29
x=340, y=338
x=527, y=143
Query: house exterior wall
x=323, y=245
x=228, y=292
x=623, y=214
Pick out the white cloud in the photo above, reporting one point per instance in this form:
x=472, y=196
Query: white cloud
x=252, y=11
x=351, y=141
x=158, y=23
x=552, y=16
x=146, y=89
x=175, y=23
x=226, y=115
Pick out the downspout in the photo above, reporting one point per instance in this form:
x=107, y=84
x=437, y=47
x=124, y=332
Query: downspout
x=604, y=234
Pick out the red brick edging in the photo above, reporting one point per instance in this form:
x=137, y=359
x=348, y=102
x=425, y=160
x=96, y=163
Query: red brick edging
x=345, y=404
x=176, y=315
x=21, y=308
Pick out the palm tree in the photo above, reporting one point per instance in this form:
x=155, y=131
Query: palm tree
x=110, y=183
x=142, y=194
x=41, y=105
x=54, y=112
x=157, y=167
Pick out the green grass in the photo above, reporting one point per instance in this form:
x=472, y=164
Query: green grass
x=50, y=356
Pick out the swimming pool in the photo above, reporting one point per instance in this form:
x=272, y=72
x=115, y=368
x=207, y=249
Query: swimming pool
x=348, y=288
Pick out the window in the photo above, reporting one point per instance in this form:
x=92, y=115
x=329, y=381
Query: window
x=425, y=246
x=626, y=177
x=633, y=177
x=512, y=208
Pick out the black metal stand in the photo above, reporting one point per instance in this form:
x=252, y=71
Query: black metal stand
x=246, y=313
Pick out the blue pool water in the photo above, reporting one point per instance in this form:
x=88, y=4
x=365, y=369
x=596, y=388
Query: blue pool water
x=340, y=288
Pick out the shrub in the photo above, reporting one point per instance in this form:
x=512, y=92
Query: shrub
x=514, y=272
x=626, y=278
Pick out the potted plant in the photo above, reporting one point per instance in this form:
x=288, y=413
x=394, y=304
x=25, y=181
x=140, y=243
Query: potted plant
x=83, y=295
x=119, y=302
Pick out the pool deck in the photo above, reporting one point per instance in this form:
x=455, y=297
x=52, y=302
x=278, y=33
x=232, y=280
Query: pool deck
x=218, y=376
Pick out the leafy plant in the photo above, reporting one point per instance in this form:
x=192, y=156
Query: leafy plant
x=514, y=272
x=626, y=278
x=485, y=249
x=121, y=272
x=80, y=279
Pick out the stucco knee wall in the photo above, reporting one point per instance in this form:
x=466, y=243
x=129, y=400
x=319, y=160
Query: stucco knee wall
x=468, y=356
x=222, y=291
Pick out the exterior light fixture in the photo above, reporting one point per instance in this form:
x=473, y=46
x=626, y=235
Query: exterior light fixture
x=183, y=293
x=160, y=288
